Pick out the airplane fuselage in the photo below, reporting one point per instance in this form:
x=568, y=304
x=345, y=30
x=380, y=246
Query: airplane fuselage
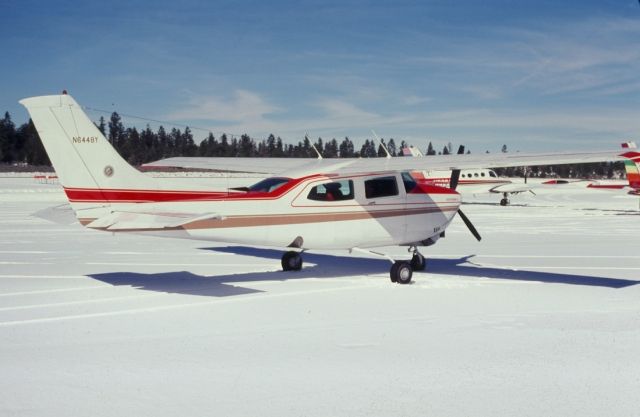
x=470, y=181
x=298, y=213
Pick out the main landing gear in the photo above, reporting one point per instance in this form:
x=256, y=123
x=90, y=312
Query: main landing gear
x=401, y=271
x=505, y=199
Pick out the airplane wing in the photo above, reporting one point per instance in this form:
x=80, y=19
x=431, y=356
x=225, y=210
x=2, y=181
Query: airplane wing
x=230, y=164
x=515, y=188
x=296, y=167
x=511, y=188
x=148, y=220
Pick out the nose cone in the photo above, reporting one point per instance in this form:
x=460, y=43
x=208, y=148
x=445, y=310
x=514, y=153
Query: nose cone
x=438, y=194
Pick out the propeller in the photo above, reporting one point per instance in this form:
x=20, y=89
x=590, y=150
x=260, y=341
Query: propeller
x=455, y=174
x=470, y=225
x=453, y=184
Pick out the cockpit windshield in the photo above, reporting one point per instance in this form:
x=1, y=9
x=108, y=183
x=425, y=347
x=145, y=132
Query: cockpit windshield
x=269, y=184
x=409, y=182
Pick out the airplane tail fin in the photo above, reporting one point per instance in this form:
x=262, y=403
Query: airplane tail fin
x=632, y=165
x=79, y=152
x=85, y=162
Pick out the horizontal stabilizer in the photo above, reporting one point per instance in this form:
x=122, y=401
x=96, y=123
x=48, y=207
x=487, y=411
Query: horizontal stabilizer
x=148, y=220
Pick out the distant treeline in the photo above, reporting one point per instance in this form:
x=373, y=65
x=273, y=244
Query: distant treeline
x=22, y=146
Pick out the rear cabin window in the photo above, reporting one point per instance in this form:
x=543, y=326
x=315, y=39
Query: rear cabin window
x=492, y=174
x=381, y=187
x=332, y=191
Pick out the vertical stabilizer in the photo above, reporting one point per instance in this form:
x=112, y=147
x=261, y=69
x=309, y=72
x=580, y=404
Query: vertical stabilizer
x=632, y=166
x=79, y=152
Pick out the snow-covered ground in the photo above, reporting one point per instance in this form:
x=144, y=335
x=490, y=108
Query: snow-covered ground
x=542, y=318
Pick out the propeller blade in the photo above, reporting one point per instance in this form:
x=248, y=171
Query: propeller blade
x=472, y=229
x=455, y=176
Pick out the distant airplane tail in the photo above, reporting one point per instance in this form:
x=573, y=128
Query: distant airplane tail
x=632, y=166
x=93, y=174
x=411, y=151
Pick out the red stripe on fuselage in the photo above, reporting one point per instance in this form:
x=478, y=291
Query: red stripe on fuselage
x=138, y=196
x=114, y=195
x=95, y=195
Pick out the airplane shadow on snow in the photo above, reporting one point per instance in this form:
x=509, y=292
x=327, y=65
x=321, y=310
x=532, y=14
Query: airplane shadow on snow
x=327, y=267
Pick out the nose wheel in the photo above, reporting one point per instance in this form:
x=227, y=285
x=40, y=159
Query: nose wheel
x=291, y=261
x=401, y=272
x=505, y=199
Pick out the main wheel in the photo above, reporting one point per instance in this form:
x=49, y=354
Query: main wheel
x=401, y=272
x=504, y=202
x=291, y=261
x=418, y=263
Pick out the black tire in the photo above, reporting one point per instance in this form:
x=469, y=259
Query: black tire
x=504, y=202
x=291, y=261
x=393, y=272
x=401, y=272
x=418, y=263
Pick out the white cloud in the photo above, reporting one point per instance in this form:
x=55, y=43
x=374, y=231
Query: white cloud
x=243, y=107
x=413, y=100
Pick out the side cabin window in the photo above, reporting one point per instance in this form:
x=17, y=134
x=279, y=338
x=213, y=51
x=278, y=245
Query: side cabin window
x=381, y=187
x=332, y=191
x=492, y=174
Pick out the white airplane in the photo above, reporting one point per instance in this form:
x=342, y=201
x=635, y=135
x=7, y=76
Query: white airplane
x=352, y=204
x=471, y=181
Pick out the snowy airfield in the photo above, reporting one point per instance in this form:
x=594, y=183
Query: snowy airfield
x=540, y=318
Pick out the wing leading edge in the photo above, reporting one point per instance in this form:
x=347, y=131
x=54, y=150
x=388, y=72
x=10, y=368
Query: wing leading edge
x=295, y=167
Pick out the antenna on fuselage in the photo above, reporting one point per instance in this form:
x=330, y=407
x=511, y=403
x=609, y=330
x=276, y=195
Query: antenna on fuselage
x=306, y=136
x=381, y=144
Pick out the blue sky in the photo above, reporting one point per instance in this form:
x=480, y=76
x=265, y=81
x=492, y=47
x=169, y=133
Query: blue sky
x=533, y=75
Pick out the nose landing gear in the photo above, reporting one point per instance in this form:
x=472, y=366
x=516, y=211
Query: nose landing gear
x=291, y=261
x=402, y=271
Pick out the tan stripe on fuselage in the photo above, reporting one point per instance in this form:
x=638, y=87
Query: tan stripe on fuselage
x=282, y=219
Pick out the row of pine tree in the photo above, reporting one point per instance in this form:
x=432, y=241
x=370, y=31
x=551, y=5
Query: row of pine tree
x=22, y=146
